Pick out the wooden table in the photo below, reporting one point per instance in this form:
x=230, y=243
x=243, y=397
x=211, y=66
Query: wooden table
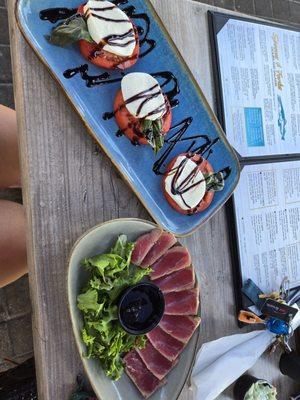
x=69, y=186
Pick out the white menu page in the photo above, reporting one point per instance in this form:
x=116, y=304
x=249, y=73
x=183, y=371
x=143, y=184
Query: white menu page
x=260, y=75
x=267, y=207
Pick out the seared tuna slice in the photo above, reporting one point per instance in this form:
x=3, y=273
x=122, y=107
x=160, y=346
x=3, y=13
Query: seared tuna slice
x=143, y=379
x=185, y=302
x=155, y=362
x=143, y=245
x=181, y=327
x=164, y=243
x=168, y=346
x=173, y=260
x=179, y=280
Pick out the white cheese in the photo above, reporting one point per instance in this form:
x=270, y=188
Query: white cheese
x=193, y=196
x=138, y=87
x=100, y=29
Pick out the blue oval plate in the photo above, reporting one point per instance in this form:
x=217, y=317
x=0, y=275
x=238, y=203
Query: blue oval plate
x=191, y=116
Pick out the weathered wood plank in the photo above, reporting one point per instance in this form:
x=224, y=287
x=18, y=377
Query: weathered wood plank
x=69, y=186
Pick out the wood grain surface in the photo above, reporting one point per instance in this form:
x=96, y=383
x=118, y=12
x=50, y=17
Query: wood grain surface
x=69, y=186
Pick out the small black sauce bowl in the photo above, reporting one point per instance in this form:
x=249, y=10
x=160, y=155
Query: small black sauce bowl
x=141, y=307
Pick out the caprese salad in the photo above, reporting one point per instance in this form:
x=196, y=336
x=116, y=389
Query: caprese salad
x=107, y=37
x=190, y=182
x=142, y=110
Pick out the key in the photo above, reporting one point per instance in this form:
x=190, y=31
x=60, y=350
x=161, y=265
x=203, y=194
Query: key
x=274, y=346
x=297, y=397
x=287, y=347
x=285, y=289
x=294, y=297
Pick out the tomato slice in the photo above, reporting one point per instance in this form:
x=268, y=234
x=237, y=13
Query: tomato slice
x=205, y=167
x=131, y=125
x=105, y=59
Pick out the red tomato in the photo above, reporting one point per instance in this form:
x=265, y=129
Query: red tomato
x=203, y=166
x=105, y=59
x=131, y=125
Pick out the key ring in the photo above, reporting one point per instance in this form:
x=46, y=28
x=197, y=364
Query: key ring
x=284, y=290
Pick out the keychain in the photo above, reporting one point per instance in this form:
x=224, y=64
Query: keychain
x=277, y=313
x=274, y=325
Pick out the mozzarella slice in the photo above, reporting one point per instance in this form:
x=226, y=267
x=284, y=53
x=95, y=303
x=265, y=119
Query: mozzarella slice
x=143, y=96
x=105, y=19
x=192, y=197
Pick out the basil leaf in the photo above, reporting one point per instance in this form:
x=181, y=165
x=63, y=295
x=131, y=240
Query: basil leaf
x=158, y=143
x=153, y=132
x=146, y=126
x=214, y=181
x=71, y=30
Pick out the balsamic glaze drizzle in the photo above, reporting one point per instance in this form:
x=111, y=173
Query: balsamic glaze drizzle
x=171, y=141
x=56, y=14
x=178, y=136
x=91, y=80
x=119, y=21
x=130, y=11
x=119, y=2
x=174, y=91
x=119, y=133
x=179, y=130
x=113, y=40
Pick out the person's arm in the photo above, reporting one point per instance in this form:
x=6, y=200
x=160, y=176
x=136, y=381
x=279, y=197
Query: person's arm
x=13, y=262
x=9, y=155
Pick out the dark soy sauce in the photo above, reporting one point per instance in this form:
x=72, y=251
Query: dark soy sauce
x=140, y=308
x=56, y=14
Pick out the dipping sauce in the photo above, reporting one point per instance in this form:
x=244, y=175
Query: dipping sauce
x=141, y=308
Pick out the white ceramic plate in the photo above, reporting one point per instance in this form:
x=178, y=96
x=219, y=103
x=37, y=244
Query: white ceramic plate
x=98, y=240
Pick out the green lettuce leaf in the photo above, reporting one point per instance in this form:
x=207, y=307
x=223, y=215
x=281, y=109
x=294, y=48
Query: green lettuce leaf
x=110, y=275
x=88, y=341
x=70, y=31
x=88, y=301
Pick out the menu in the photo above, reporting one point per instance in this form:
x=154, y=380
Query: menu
x=258, y=83
x=267, y=208
x=260, y=73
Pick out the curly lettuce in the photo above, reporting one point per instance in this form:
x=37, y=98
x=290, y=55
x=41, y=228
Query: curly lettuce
x=102, y=333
